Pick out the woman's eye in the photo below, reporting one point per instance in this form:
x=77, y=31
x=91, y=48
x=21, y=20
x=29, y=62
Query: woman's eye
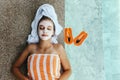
x=41, y=28
x=49, y=28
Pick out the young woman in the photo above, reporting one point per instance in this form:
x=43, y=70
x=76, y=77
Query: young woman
x=45, y=55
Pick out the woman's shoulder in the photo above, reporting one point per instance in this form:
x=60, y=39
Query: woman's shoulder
x=58, y=47
x=32, y=46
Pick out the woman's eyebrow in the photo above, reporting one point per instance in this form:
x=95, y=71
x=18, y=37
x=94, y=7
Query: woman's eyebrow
x=40, y=25
x=43, y=26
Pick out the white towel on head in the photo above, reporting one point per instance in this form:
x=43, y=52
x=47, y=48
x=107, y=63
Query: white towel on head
x=48, y=11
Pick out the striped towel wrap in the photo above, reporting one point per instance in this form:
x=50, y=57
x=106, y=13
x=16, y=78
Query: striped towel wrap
x=44, y=67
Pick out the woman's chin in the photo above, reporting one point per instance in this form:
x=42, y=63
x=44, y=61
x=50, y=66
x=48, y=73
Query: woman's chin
x=45, y=39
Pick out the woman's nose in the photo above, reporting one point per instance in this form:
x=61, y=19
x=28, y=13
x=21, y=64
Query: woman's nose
x=45, y=30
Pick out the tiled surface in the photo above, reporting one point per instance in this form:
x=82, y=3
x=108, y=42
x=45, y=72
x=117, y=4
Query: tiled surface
x=87, y=60
x=111, y=38
x=98, y=57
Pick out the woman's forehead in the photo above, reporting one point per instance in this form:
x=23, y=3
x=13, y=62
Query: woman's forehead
x=46, y=23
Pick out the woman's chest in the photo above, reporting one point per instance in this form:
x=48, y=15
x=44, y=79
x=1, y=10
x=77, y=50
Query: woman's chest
x=44, y=51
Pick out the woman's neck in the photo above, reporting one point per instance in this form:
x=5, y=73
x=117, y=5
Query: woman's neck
x=44, y=44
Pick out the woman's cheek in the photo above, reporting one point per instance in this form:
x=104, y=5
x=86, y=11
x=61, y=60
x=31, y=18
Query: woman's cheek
x=50, y=33
x=40, y=33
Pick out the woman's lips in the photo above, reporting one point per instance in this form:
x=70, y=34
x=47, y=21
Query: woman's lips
x=44, y=35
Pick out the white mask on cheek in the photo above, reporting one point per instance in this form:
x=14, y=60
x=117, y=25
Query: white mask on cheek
x=45, y=33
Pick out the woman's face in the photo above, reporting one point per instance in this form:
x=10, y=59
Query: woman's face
x=45, y=29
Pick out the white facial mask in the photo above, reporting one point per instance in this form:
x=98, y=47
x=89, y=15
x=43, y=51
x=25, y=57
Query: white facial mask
x=45, y=29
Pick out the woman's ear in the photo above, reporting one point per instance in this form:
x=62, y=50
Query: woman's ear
x=53, y=33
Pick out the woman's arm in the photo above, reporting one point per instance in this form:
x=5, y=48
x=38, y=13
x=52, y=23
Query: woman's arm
x=16, y=66
x=65, y=63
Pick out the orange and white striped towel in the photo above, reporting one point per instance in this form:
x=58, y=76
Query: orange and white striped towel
x=44, y=67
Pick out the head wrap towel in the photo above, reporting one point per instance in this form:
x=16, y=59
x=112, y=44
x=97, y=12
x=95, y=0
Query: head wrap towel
x=48, y=11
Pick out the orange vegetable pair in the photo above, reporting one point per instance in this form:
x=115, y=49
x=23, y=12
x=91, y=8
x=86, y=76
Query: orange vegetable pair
x=78, y=40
